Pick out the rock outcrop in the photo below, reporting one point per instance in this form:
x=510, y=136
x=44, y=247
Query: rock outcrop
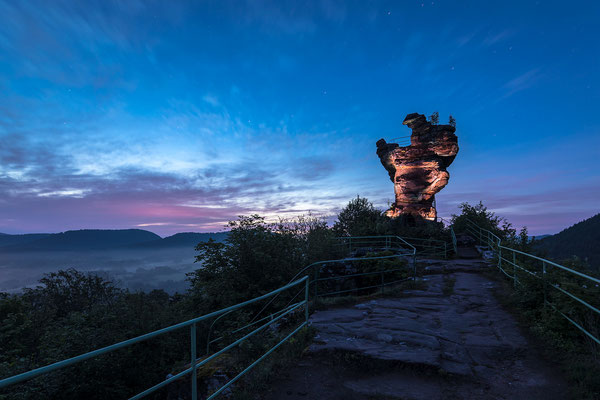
x=419, y=170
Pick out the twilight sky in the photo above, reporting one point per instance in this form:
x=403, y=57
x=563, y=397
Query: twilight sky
x=174, y=116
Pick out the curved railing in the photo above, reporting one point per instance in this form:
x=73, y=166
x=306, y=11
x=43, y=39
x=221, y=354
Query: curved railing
x=509, y=257
x=401, y=248
x=195, y=362
x=389, y=242
x=429, y=247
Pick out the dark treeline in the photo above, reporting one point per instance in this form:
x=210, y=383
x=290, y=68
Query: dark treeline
x=581, y=241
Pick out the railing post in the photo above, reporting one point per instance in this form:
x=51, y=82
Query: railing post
x=514, y=269
x=499, y=257
x=445, y=251
x=382, y=282
x=414, y=268
x=544, y=280
x=306, y=290
x=317, y=281
x=193, y=361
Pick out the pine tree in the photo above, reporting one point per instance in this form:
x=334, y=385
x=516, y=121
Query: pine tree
x=434, y=118
x=452, y=121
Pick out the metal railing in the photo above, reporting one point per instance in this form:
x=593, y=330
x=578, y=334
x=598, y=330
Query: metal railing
x=509, y=257
x=401, y=247
x=387, y=242
x=429, y=247
x=454, y=243
x=195, y=362
x=402, y=141
x=449, y=225
x=311, y=275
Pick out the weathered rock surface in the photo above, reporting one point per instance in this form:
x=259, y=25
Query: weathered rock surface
x=450, y=341
x=419, y=170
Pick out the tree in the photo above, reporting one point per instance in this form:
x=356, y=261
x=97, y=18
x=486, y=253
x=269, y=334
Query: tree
x=434, y=118
x=451, y=121
x=480, y=215
x=70, y=290
x=256, y=257
x=358, y=218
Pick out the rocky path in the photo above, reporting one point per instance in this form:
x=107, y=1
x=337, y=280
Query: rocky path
x=451, y=340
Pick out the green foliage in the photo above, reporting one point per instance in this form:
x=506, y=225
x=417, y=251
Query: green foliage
x=71, y=313
x=256, y=258
x=358, y=218
x=480, y=215
x=67, y=291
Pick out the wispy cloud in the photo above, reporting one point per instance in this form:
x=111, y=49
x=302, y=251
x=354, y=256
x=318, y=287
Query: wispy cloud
x=522, y=82
x=499, y=36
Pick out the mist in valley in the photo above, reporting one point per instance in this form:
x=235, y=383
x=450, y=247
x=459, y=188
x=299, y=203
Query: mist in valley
x=137, y=269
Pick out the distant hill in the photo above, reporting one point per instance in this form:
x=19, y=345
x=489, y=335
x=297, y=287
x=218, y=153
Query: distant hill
x=184, y=239
x=581, y=240
x=94, y=239
x=538, y=237
x=11, y=240
x=85, y=239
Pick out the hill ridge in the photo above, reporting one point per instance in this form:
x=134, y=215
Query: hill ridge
x=581, y=239
x=95, y=239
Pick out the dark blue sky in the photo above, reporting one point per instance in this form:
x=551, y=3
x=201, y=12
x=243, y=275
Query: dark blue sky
x=179, y=116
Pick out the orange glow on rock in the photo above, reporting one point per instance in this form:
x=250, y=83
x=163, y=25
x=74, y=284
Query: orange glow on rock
x=418, y=171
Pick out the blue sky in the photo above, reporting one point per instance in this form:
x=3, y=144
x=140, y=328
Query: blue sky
x=178, y=116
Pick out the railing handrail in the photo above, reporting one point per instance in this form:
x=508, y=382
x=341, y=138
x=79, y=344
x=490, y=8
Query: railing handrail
x=407, y=249
x=413, y=254
x=94, y=353
x=486, y=230
x=425, y=240
x=537, y=257
x=591, y=278
x=402, y=140
x=436, y=247
x=379, y=237
x=545, y=262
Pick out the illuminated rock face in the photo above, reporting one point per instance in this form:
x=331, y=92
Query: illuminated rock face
x=419, y=170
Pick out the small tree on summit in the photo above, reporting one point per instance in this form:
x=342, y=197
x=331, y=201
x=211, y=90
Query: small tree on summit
x=434, y=118
x=452, y=121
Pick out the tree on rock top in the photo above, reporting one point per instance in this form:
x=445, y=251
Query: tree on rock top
x=434, y=118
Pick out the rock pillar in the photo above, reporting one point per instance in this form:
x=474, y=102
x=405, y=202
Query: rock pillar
x=418, y=171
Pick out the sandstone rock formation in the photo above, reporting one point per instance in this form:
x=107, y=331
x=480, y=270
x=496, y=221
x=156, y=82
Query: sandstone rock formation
x=419, y=170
